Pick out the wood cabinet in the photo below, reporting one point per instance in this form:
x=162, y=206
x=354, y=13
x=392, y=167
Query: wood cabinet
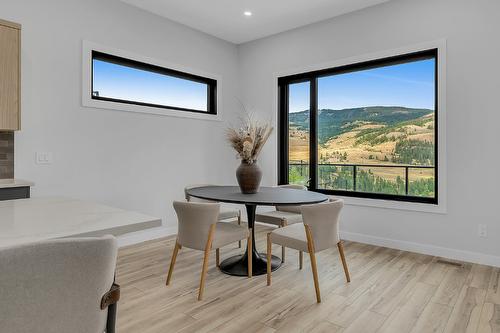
x=10, y=76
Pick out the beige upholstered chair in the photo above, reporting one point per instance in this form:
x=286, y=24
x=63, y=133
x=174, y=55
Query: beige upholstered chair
x=283, y=215
x=63, y=285
x=199, y=229
x=319, y=232
x=224, y=214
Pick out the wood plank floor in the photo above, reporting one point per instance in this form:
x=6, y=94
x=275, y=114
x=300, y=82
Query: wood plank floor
x=390, y=291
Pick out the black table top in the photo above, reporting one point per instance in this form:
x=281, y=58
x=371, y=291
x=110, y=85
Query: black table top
x=267, y=196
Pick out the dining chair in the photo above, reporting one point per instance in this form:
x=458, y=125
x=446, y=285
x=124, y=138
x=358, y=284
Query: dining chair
x=199, y=229
x=282, y=215
x=63, y=285
x=320, y=231
x=224, y=214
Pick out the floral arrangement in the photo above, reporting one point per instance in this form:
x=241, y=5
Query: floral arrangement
x=249, y=139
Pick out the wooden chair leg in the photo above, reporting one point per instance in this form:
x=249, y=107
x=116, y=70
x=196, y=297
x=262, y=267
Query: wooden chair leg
x=269, y=259
x=239, y=223
x=204, y=269
x=284, y=224
x=340, y=245
x=315, y=276
x=172, y=262
x=217, y=258
x=310, y=247
x=301, y=259
x=249, y=254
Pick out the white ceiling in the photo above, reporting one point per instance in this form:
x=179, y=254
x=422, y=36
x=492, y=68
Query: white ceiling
x=225, y=19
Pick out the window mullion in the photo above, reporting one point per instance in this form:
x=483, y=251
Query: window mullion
x=313, y=136
x=283, y=159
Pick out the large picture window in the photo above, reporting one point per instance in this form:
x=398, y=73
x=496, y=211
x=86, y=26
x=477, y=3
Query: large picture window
x=365, y=130
x=128, y=81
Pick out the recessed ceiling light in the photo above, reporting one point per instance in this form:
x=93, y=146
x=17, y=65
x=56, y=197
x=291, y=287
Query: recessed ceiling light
x=247, y=13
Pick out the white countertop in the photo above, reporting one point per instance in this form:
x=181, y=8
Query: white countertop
x=7, y=183
x=35, y=219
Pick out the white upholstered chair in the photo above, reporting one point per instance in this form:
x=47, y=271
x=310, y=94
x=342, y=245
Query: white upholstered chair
x=320, y=231
x=199, y=229
x=224, y=214
x=57, y=286
x=283, y=215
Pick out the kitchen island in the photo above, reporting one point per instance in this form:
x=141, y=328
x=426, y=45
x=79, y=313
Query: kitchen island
x=35, y=219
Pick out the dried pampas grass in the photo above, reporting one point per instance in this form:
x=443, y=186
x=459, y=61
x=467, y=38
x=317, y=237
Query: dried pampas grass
x=249, y=139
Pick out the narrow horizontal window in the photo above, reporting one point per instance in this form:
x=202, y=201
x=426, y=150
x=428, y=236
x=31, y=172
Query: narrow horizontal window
x=365, y=130
x=122, y=80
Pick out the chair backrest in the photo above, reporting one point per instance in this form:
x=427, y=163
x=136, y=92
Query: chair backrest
x=194, y=199
x=323, y=219
x=194, y=220
x=291, y=209
x=57, y=285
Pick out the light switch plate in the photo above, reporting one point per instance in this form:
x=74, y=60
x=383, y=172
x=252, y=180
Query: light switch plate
x=43, y=158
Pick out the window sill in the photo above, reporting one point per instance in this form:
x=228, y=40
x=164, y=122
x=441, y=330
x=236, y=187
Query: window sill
x=94, y=103
x=400, y=205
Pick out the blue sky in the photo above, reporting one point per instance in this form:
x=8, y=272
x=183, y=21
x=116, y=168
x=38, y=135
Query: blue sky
x=121, y=82
x=408, y=85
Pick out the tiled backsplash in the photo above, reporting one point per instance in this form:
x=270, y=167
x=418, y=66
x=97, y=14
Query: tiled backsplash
x=6, y=155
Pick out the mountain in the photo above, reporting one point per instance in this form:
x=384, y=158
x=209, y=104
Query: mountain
x=332, y=123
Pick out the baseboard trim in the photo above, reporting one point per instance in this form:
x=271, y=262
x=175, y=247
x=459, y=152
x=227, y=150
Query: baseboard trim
x=145, y=235
x=455, y=254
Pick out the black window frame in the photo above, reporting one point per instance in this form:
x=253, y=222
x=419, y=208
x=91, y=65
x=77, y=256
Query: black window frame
x=110, y=58
x=312, y=78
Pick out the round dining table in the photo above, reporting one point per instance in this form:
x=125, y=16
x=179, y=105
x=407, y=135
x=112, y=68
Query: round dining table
x=266, y=196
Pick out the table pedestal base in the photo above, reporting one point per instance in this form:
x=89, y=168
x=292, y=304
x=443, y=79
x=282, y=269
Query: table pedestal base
x=238, y=265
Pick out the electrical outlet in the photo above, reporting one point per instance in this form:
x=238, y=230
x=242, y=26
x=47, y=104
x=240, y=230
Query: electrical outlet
x=43, y=158
x=482, y=230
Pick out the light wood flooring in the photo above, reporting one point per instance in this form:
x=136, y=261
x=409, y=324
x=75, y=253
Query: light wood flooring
x=390, y=291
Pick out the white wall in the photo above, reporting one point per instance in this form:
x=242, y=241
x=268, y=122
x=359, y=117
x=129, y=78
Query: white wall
x=471, y=29
x=128, y=160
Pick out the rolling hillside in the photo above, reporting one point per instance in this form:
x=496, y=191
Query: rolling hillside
x=367, y=136
x=335, y=122
x=372, y=135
